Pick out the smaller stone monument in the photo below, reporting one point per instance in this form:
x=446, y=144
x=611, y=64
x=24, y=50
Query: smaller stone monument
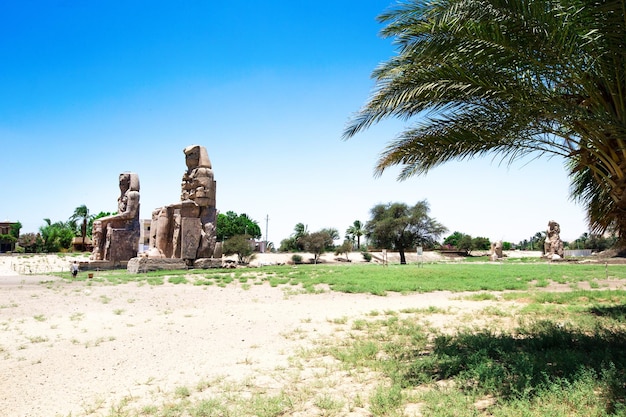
x=116, y=237
x=496, y=250
x=553, y=246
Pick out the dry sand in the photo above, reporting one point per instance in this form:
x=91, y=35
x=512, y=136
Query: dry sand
x=80, y=348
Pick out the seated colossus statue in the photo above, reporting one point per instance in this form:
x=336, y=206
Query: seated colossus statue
x=116, y=237
x=186, y=229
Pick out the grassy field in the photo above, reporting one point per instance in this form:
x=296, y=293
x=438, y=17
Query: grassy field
x=379, y=280
x=530, y=352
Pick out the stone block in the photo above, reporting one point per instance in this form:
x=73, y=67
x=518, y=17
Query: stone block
x=142, y=264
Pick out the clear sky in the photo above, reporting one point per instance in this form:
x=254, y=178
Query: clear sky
x=90, y=89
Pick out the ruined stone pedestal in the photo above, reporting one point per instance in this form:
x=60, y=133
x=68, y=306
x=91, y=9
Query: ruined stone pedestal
x=139, y=265
x=101, y=265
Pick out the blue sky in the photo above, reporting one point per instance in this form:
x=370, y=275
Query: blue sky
x=92, y=89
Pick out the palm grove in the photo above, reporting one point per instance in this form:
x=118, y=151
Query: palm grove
x=511, y=78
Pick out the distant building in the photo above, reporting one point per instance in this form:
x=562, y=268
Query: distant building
x=7, y=245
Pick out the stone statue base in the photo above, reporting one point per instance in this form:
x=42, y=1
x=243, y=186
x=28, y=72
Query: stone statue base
x=101, y=265
x=207, y=263
x=144, y=264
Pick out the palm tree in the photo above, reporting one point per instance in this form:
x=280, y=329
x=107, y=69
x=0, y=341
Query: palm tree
x=355, y=232
x=82, y=213
x=511, y=78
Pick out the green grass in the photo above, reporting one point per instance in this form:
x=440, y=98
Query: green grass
x=565, y=357
x=378, y=280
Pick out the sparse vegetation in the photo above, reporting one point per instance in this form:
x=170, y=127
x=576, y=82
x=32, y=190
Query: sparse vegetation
x=525, y=351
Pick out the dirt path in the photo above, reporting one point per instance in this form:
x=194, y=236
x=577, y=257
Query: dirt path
x=79, y=348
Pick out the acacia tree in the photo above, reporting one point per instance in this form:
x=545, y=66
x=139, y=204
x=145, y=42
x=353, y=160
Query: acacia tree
x=317, y=243
x=511, y=78
x=240, y=245
x=399, y=227
x=231, y=224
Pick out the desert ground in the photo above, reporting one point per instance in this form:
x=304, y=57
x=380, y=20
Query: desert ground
x=83, y=348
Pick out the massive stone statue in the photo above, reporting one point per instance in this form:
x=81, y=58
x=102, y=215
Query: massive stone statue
x=186, y=230
x=116, y=237
x=553, y=246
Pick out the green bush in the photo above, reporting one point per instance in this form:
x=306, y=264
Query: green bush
x=367, y=256
x=297, y=259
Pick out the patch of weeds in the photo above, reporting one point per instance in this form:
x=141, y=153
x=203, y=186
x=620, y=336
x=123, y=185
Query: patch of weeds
x=329, y=404
x=155, y=280
x=481, y=296
x=340, y=320
x=148, y=410
x=118, y=311
x=359, y=324
x=495, y=311
x=40, y=317
x=182, y=392
x=77, y=316
x=104, y=299
x=177, y=280
x=427, y=310
x=269, y=406
x=386, y=400
x=210, y=408
x=38, y=339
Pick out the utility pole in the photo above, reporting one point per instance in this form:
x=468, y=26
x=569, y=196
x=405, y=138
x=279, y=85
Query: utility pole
x=267, y=219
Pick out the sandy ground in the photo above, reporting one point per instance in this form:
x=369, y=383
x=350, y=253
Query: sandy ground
x=79, y=348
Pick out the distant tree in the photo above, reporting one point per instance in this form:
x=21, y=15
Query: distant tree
x=232, y=224
x=345, y=248
x=465, y=244
x=288, y=245
x=399, y=227
x=599, y=242
x=56, y=236
x=355, y=232
x=334, y=235
x=14, y=230
x=81, y=213
x=454, y=239
x=294, y=242
x=300, y=230
x=31, y=242
x=483, y=243
x=240, y=245
x=316, y=243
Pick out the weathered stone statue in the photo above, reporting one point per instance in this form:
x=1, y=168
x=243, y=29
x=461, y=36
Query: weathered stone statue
x=496, y=250
x=186, y=230
x=553, y=246
x=116, y=237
